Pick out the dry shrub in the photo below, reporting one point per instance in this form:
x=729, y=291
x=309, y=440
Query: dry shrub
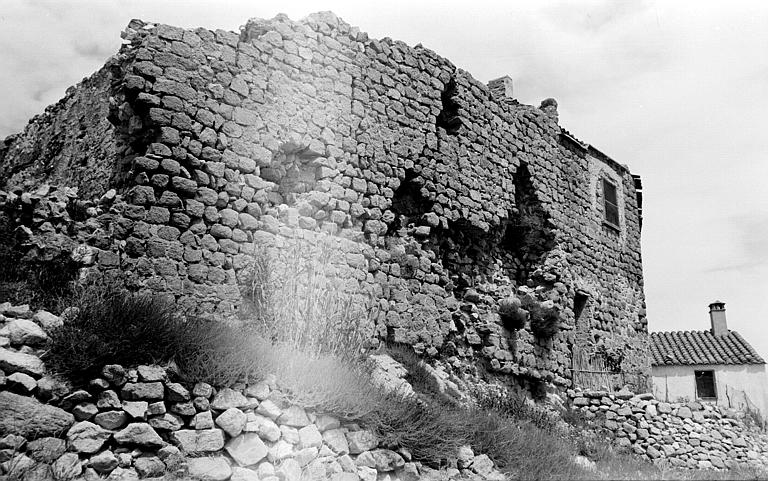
x=320, y=381
x=218, y=353
x=297, y=296
x=113, y=326
x=545, y=320
x=431, y=430
x=512, y=314
x=417, y=374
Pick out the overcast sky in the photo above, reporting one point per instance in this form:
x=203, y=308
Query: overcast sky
x=676, y=90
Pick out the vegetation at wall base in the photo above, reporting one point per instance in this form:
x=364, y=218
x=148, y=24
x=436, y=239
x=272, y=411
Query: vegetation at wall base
x=45, y=283
x=114, y=326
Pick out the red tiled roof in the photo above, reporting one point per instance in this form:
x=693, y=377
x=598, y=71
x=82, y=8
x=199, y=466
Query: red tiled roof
x=701, y=347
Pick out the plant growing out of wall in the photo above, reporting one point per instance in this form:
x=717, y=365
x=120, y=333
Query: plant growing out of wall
x=512, y=314
x=545, y=319
x=612, y=351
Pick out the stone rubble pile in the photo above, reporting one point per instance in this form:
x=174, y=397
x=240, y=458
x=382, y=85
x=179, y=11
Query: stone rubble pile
x=683, y=434
x=136, y=423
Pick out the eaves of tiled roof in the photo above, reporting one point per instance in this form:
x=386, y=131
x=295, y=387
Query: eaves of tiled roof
x=701, y=347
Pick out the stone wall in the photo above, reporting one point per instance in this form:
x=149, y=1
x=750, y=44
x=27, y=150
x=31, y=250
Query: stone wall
x=140, y=422
x=687, y=435
x=448, y=199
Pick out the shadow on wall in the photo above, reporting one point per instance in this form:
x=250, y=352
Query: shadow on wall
x=528, y=235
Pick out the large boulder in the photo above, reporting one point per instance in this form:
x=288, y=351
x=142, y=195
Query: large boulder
x=26, y=416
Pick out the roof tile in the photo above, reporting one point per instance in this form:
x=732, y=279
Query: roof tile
x=701, y=347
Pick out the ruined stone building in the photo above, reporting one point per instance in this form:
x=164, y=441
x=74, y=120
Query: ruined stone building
x=442, y=195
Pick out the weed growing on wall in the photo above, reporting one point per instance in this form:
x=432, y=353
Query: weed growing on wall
x=297, y=297
x=512, y=314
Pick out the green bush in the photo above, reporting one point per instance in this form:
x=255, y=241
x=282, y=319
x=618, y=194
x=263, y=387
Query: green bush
x=114, y=326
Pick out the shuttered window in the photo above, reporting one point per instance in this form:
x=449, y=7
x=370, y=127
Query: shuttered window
x=705, y=384
x=611, y=203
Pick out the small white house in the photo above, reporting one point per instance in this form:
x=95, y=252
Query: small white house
x=713, y=366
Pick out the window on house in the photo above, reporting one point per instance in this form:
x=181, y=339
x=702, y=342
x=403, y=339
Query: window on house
x=611, y=201
x=705, y=384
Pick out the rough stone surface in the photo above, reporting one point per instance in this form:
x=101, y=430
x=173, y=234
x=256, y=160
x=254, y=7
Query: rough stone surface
x=23, y=331
x=111, y=419
x=12, y=361
x=86, y=437
x=66, y=467
x=247, y=449
x=202, y=441
x=149, y=466
x=209, y=468
x=435, y=192
x=232, y=421
x=25, y=416
x=360, y=441
x=149, y=391
x=228, y=398
x=139, y=434
x=46, y=450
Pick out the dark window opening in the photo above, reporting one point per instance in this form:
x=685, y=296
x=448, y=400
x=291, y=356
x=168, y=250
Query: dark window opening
x=610, y=199
x=579, y=305
x=409, y=202
x=449, y=117
x=528, y=235
x=705, y=384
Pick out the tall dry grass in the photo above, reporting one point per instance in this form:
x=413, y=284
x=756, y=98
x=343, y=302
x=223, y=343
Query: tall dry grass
x=298, y=296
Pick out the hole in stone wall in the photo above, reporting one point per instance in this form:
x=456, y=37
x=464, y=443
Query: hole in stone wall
x=294, y=169
x=449, y=118
x=528, y=235
x=408, y=203
x=580, y=301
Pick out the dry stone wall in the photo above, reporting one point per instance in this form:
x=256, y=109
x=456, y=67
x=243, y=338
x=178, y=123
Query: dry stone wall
x=140, y=423
x=446, y=198
x=683, y=435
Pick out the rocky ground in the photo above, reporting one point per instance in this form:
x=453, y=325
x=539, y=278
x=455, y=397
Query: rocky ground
x=134, y=423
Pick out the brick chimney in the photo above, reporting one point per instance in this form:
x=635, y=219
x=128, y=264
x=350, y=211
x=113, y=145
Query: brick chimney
x=717, y=317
